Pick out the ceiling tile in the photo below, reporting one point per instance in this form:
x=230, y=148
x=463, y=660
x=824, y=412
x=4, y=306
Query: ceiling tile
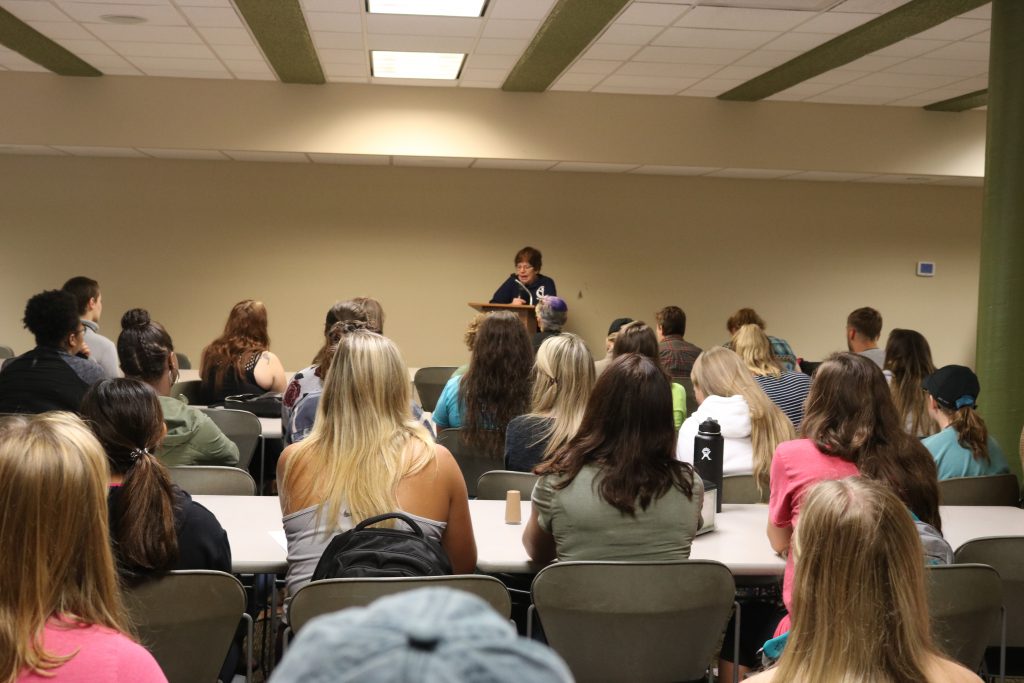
x=227, y=36
x=514, y=164
x=204, y=3
x=767, y=58
x=800, y=42
x=657, y=82
x=213, y=17
x=337, y=40
x=983, y=37
x=176, y=64
x=519, y=9
x=335, y=69
x=667, y=69
x=332, y=56
x=954, y=29
x=802, y=91
x=147, y=33
x=717, y=86
x=836, y=77
x=333, y=5
x=489, y=85
x=566, y=87
x=429, y=43
x=872, y=63
x=155, y=15
x=510, y=28
x=433, y=162
x=339, y=22
x=624, y=34
x=594, y=66
x=650, y=14
x=713, y=38
x=881, y=92
x=608, y=51
x=634, y=90
x=939, y=67
x=183, y=153
x=240, y=51
x=835, y=23
x=59, y=30
x=484, y=75
x=655, y=169
x=915, y=81
x=33, y=10
x=500, y=46
x=491, y=61
x=249, y=67
x=295, y=157
x=588, y=167
x=689, y=55
x=162, y=50
x=751, y=173
x=579, y=79
x=873, y=6
x=356, y=159
x=962, y=50
x=100, y=151
x=743, y=19
x=86, y=48
x=743, y=73
x=910, y=47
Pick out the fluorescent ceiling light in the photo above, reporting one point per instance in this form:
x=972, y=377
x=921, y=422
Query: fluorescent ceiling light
x=434, y=8
x=436, y=65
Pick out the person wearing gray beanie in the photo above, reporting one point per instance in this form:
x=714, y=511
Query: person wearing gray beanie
x=429, y=635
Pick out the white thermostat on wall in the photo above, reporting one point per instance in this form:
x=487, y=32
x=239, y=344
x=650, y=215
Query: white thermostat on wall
x=925, y=268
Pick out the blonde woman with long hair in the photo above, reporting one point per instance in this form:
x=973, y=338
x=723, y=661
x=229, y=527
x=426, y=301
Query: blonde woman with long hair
x=787, y=389
x=860, y=608
x=367, y=456
x=752, y=426
x=61, y=616
x=563, y=376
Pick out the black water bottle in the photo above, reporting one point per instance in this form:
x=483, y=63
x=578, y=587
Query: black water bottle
x=707, y=456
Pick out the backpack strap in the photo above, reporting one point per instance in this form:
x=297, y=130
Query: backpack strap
x=376, y=519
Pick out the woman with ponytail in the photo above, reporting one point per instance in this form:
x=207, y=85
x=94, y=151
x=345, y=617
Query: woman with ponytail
x=147, y=353
x=963, y=447
x=154, y=526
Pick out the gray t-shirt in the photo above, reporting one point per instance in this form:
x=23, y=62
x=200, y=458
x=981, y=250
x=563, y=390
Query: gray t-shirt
x=102, y=350
x=876, y=355
x=586, y=527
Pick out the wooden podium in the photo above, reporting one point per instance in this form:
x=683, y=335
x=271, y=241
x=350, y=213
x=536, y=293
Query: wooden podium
x=526, y=313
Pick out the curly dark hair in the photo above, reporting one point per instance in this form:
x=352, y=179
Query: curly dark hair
x=51, y=317
x=144, y=346
x=497, y=386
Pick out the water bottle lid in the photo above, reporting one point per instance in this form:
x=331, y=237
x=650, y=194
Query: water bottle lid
x=709, y=426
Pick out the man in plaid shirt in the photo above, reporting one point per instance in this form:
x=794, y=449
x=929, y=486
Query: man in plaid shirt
x=677, y=354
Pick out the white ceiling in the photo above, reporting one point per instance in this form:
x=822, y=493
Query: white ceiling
x=694, y=48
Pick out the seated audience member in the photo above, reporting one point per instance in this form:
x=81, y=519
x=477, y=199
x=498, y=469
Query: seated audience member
x=239, y=361
x=365, y=457
x=908, y=360
x=859, y=603
x=147, y=354
x=616, y=490
x=552, y=313
x=51, y=376
x=963, y=447
x=428, y=634
x=155, y=527
x=863, y=328
x=90, y=307
x=374, y=313
x=563, y=376
x=677, y=354
x=637, y=337
x=752, y=426
x=786, y=388
x=495, y=389
x=309, y=381
x=469, y=339
x=63, y=615
x=781, y=349
x=526, y=285
x=609, y=344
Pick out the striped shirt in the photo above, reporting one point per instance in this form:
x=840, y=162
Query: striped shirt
x=788, y=392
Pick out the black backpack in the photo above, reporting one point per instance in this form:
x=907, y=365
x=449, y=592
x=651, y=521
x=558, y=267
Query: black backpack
x=362, y=552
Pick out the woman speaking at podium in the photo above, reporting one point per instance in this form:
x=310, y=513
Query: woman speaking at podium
x=526, y=285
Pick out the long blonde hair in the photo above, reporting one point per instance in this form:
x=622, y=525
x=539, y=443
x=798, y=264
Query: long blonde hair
x=720, y=372
x=563, y=377
x=364, y=440
x=754, y=347
x=859, y=583
x=55, y=555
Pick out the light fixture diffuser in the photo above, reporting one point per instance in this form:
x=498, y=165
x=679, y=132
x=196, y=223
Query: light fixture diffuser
x=435, y=65
x=430, y=8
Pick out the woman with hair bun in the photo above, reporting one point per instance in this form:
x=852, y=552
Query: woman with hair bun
x=963, y=447
x=155, y=527
x=860, y=605
x=62, y=615
x=147, y=354
x=239, y=361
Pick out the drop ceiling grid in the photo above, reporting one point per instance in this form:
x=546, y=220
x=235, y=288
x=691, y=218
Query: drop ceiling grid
x=181, y=38
x=657, y=48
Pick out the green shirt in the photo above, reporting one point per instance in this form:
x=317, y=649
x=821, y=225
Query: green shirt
x=585, y=527
x=192, y=437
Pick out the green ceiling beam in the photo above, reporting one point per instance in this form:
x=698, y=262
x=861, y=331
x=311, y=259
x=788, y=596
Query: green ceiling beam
x=972, y=100
x=282, y=34
x=31, y=44
x=570, y=27
x=904, y=21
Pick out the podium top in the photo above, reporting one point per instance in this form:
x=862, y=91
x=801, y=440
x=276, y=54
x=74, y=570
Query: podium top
x=484, y=307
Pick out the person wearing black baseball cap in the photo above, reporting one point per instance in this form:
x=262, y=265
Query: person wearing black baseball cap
x=963, y=447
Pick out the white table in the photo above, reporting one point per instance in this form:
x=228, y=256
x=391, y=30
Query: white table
x=739, y=541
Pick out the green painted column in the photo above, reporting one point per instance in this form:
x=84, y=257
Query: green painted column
x=1000, y=361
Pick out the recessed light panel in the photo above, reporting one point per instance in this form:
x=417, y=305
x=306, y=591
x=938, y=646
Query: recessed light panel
x=433, y=8
x=436, y=65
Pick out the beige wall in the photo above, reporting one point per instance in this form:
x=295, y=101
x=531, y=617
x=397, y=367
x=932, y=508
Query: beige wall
x=187, y=239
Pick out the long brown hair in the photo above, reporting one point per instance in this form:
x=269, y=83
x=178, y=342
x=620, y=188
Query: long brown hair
x=627, y=432
x=496, y=387
x=909, y=358
x=245, y=335
x=637, y=337
x=850, y=415
x=341, y=312
x=125, y=415
x=859, y=582
x=55, y=553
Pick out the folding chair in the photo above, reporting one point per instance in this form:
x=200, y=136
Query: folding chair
x=741, y=488
x=6, y=352
x=966, y=606
x=183, y=362
x=240, y=426
x=210, y=480
x=429, y=382
x=495, y=484
x=187, y=620
x=635, y=621
x=472, y=464
x=189, y=389
x=996, y=489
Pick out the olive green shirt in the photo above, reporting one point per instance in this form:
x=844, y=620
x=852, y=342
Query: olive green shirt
x=193, y=438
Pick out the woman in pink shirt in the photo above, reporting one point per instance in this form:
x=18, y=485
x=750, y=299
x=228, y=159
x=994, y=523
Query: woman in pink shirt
x=62, y=617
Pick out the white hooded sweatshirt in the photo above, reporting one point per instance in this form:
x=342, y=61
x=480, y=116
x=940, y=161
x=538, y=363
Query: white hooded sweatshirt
x=733, y=415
